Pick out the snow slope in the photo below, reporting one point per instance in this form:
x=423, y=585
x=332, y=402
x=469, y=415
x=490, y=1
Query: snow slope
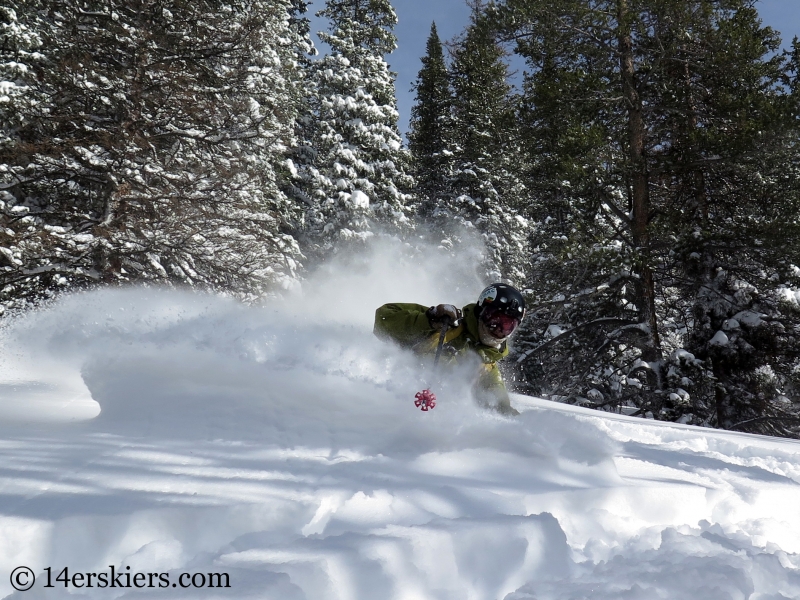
x=280, y=444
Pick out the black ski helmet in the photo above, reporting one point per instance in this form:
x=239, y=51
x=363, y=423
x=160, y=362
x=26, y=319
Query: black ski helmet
x=503, y=296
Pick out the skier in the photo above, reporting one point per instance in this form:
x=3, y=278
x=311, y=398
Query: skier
x=480, y=329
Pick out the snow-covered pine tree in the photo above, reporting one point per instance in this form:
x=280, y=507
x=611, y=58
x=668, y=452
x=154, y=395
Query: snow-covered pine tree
x=20, y=59
x=731, y=187
x=430, y=134
x=484, y=188
x=663, y=161
x=301, y=153
x=358, y=178
x=580, y=335
x=157, y=152
x=20, y=42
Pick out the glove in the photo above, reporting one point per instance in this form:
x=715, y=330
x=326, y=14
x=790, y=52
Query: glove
x=438, y=315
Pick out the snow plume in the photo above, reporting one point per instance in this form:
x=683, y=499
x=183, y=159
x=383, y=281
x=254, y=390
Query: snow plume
x=244, y=357
x=348, y=289
x=280, y=444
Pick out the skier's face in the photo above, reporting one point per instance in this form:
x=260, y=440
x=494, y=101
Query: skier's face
x=499, y=324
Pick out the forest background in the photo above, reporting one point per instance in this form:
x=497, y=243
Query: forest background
x=638, y=178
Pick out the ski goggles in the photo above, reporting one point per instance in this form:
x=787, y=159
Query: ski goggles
x=499, y=324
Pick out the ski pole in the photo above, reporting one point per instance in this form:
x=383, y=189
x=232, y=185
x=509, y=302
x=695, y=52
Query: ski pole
x=442, y=334
x=426, y=399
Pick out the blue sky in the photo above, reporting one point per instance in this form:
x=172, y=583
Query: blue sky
x=452, y=16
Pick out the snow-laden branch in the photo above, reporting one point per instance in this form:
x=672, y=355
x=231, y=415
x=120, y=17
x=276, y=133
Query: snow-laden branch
x=587, y=325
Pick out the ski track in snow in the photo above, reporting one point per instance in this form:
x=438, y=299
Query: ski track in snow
x=282, y=446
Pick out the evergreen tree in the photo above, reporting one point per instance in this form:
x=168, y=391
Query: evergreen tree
x=431, y=127
x=582, y=128
x=484, y=190
x=729, y=193
x=157, y=150
x=19, y=56
x=301, y=152
x=21, y=44
x=659, y=155
x=357, y=179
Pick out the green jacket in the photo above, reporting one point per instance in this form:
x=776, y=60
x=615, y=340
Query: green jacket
x=408, y=325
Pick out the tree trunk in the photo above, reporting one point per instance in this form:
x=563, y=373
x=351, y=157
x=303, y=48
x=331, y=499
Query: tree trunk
x=639, y=182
